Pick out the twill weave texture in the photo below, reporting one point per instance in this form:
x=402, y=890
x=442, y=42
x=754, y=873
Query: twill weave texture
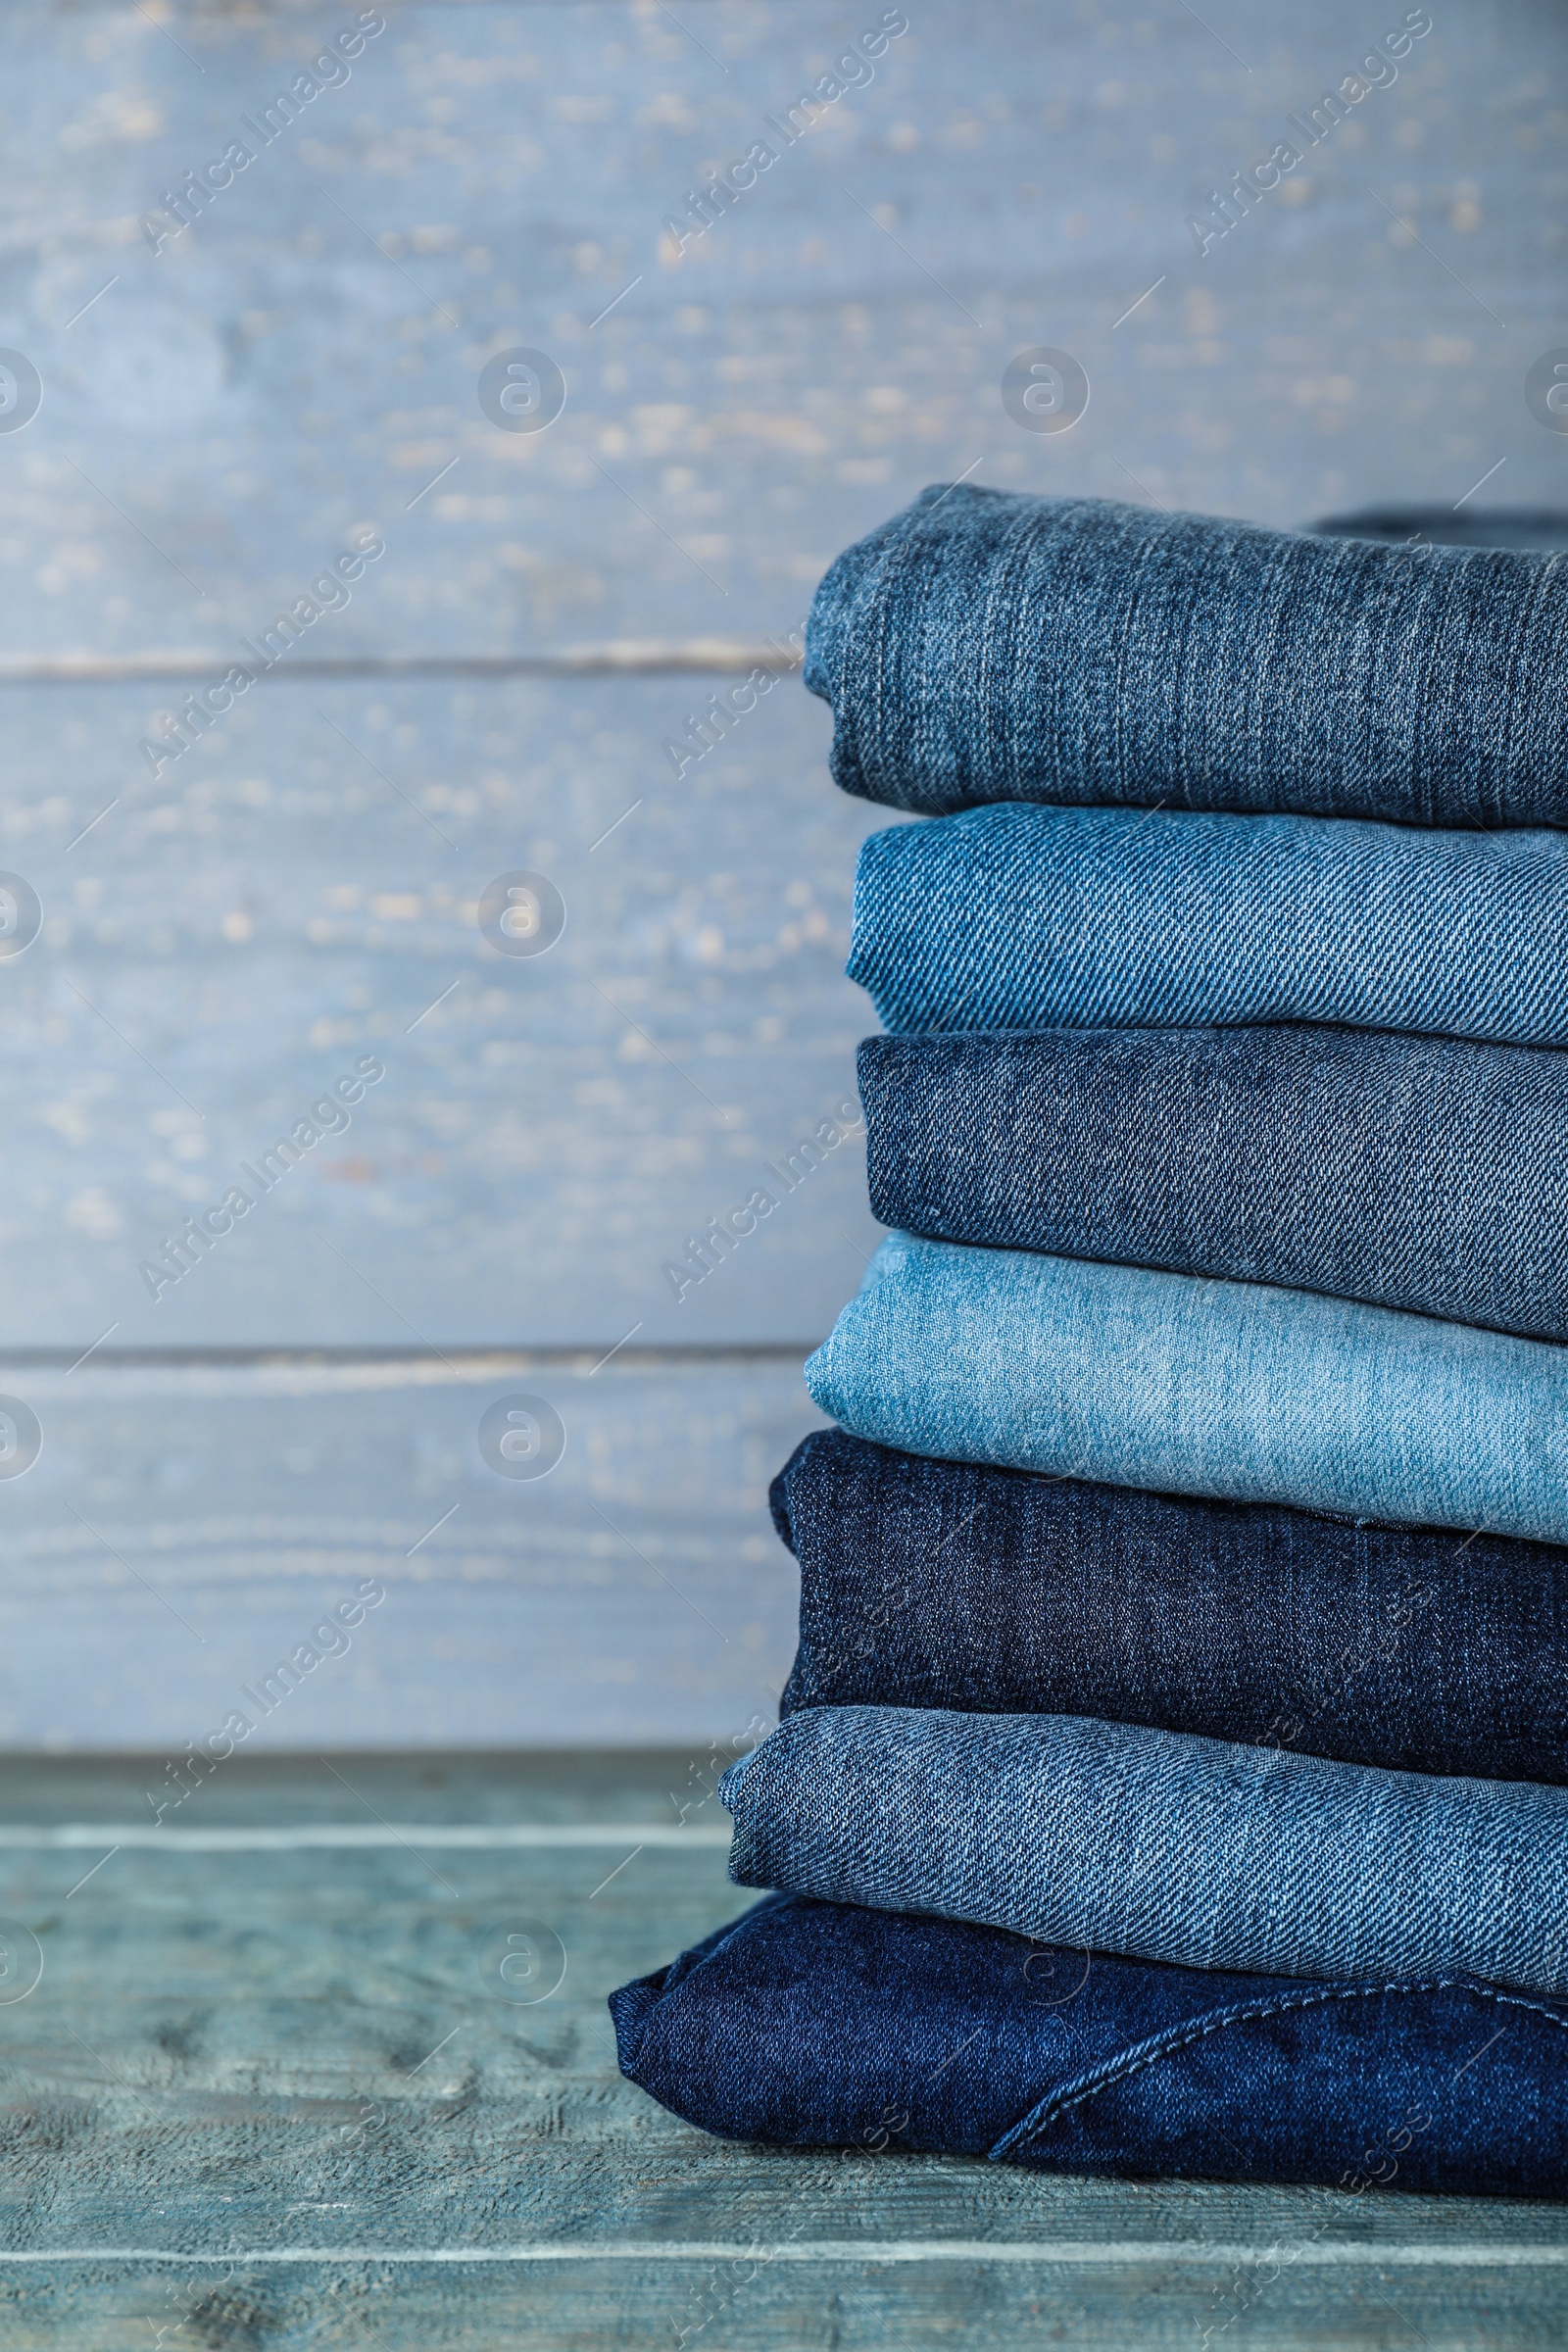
x=819, y=2025
x=1427, y=1173
x=1186, y=1387
x=1013, y=917
x=990, y=646
x=1111, y=1838
x=928, y=1584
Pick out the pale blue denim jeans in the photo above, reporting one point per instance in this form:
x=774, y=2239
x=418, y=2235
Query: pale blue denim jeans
x=1192, y=1386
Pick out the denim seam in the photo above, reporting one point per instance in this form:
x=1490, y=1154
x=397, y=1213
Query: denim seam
x=1153, y=2054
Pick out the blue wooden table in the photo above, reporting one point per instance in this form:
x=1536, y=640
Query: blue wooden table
x=280, y=2084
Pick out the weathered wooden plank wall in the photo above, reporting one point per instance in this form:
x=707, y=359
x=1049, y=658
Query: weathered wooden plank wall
x=545, y=1139
x=189, y=1527
x=222, y=407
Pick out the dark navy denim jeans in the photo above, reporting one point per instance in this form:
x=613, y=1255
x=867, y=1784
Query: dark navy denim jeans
x=820, y=2025
x=927, y=1583
x=1405, y=1171
x=1544, y=528
x=994, y=646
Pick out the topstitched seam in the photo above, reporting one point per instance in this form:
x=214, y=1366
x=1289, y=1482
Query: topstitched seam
x=1135, y=2060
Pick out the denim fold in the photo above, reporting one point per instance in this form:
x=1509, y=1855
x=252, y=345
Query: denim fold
x=1233, y=1390
x=1544, y=528
x=1013, y=917
x=929, y=1583
x=1111, y=1838
x=988, y=645
x=1416, y=1172
x=822, y=2025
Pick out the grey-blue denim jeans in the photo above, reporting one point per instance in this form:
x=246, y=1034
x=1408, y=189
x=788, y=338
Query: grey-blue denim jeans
x=991, y=645
x=1111, y=1838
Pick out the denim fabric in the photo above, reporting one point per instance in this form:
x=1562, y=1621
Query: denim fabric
x=1087, y=918
x=929, y=1583
x=1114, y=1839
x=825, y=2026
x=994, y=646
x=1405, y=1171
x=1200, y=1387
x=1540, y=527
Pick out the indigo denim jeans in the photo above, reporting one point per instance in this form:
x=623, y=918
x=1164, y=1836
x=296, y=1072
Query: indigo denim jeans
x=927, y=1583
x=1224, y=1388
x=1114, y=1839
x=1115, y=918
x=1406, y=1172
x=995, y=645
x=820, y=2025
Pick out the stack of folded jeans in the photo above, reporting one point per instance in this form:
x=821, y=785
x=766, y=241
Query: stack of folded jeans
x=1173, y=1777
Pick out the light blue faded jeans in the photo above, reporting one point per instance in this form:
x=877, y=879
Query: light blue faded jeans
x=1111, y=1838
x=1193, y=1387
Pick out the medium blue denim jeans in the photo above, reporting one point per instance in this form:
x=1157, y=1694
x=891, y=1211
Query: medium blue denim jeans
x=1544, y=528
x=1227, y=1388
x=1406, y=1172
x=928, y=1584
x=1113, y=1839
x=995, y=645
x=822, y=2025
x=1091, y=918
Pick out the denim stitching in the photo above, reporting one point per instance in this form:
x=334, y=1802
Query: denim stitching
x=1143, y=2055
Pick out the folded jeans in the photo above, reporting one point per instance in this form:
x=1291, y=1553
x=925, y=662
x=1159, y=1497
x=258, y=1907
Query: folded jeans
x=929, y=1583
x=1185, y=1387
x=1013, y=917
x=987, y=645
x=1415, y=1172
x=820, y=2025
x=1111, y=1838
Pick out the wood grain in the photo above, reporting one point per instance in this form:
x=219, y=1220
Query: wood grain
x=301, y=889
x=184, y=1529
x=304, y=356
x=264, y=2096
x=219, y=414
